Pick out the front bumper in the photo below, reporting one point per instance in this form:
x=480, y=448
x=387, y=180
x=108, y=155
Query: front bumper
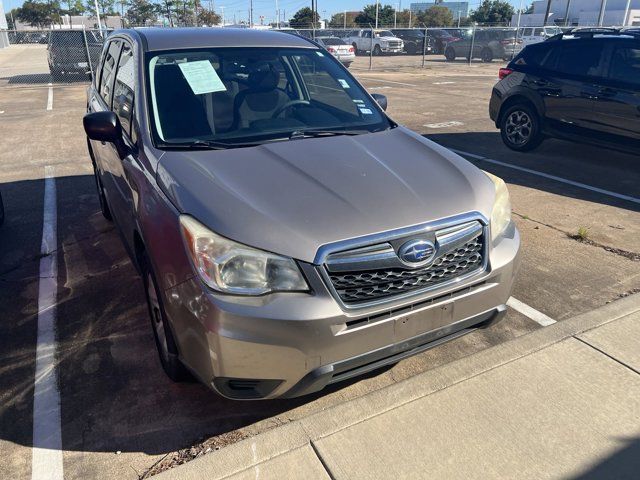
x=292, y=344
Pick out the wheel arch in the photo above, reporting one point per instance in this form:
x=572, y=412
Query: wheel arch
x=520, y=97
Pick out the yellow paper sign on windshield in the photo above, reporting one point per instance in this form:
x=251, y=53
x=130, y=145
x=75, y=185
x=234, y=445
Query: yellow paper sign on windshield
x=202, y=77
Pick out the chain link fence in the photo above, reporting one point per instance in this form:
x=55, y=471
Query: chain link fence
x=50, y=56
x=70, y=56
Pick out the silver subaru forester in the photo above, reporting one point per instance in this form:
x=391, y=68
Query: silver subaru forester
x=288, y=232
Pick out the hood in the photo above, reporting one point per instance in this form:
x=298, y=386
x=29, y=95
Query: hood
x=293, y=197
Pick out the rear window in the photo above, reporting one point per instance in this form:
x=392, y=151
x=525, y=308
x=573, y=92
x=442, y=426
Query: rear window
x=625, y=65
x=534, y=55
x=579, y=58
x=332, y=41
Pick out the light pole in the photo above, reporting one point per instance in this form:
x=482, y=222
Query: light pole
x=377, y=3
x=345, y=19
x=395, y=17
x=603, y=7
x=222, y=10
x=98, y=16
x=626, y=14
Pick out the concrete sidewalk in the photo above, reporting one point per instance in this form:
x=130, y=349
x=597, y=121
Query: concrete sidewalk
x=562, y=402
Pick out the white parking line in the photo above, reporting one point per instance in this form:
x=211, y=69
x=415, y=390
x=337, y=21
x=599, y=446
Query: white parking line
x=50, y=98
x=389, y=81
x=47, y=440
x=443, y=83
x=550, y=177
x=530, y=312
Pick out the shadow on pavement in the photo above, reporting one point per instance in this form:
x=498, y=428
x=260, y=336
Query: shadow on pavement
x=605, y=169
x=623, y=464
x=114, y=394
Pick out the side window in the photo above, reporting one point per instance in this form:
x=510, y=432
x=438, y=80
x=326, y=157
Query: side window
x=580, y=58
x=537, y=32
x=625, y=65
x=527, y=32
x=123, y=89
x=108, y=69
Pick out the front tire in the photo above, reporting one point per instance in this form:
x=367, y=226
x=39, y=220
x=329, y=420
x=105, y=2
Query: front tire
x=486, y=55
x=165, y=344
x=450, y=54
x=520, y=128
x=377, y=51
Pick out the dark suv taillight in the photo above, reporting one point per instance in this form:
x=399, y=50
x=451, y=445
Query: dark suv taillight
x=504, y=72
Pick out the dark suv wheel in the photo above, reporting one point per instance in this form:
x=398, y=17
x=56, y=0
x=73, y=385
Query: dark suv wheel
x=486, y=55
x=450, y=54
x=520, y=128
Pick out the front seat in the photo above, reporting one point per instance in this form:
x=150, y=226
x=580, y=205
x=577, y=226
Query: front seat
x=261, y=99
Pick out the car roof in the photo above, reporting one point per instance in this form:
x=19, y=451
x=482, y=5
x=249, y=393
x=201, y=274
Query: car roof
x=154, y=39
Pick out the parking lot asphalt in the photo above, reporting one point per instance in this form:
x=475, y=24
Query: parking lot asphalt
x=120, y=415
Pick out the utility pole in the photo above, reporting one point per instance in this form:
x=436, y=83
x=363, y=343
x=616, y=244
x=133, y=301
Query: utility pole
x=277, y=15
x=98, y=16
x=566, y=13
x=250, y=13
x=603, y=7
x=546, y=15
x=409, y=18
x=345, y=19
x=222, y=10
x=395, y=17
x=625, y=20
x=377, y=3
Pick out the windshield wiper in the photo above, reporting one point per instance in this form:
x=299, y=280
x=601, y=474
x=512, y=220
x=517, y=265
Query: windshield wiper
x=207, y=145
x=323, y=133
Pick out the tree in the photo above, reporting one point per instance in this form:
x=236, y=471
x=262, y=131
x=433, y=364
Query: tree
x=368, y=16
x=304, y=18
x=403, y=17
x=106, y=7
x=529, y=9
x=140, y=12
x=337, y=20
x=493, y=12
x=435, y=16
x=10, y=18
x=207, y=17
x=38, y=14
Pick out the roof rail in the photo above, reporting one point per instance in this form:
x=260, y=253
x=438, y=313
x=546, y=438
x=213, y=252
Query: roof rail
x=590, y=32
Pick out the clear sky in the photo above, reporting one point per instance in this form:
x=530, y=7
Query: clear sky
x=267, y=8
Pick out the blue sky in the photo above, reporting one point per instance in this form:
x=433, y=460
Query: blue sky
x=267, y=8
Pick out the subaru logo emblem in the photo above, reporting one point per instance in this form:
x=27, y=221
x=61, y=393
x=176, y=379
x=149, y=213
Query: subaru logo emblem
x=417, y=252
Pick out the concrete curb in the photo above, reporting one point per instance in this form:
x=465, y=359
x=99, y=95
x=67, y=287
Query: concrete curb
x=265, y=446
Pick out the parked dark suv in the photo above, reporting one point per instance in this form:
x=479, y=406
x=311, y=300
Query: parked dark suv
x=487, y=45
x=413, y=40
x=581, y=86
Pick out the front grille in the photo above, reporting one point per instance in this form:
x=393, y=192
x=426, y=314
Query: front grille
x=369, y=285
x=394, y=44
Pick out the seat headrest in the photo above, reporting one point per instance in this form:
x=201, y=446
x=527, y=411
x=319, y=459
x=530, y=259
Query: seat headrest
x=264, y=78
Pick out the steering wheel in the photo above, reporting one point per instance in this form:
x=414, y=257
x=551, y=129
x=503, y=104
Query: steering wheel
x=289, y=104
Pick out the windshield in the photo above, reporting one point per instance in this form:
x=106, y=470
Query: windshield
x=254, y=94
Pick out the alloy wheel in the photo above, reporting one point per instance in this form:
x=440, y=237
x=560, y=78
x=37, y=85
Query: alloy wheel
x=518, y=127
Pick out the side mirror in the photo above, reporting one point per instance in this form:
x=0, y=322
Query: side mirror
x=381, y=99
x=105, y=127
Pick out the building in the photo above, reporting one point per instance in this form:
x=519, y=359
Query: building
x=4, y=36
x=582, y=13
x=458, y=9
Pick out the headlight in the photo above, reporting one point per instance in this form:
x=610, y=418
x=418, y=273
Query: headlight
x=501, y=213
x=231, y=267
